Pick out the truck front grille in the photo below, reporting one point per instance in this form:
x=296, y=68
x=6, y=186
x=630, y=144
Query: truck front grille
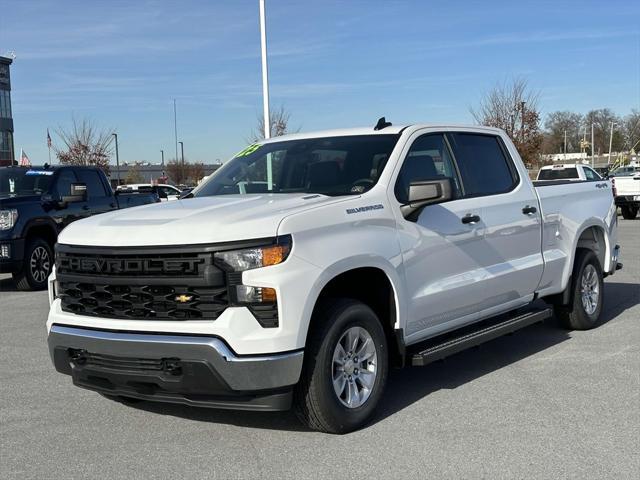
x=143, y=302
x=163, y=283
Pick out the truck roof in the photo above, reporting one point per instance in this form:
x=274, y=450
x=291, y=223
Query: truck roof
x=393, y=129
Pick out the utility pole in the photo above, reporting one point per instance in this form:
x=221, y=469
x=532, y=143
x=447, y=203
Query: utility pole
x=182, y=151
x=565, y=144
x=117, y=158
x=522, y=124
x=610, y=143
x=593, y=147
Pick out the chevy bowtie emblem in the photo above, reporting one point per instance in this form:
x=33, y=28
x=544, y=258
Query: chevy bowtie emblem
x=183, y=298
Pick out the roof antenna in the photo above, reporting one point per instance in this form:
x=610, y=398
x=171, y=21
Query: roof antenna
x=382, y=123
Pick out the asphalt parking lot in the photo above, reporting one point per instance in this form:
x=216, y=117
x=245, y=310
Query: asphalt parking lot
x=542, y=403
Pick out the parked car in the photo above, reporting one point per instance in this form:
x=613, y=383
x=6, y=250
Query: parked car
x=37, y=203
x=568, y=172
x=626, y=184
x=164, y=191
x=310, y=264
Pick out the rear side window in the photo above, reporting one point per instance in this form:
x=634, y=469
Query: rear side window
x=483, y=164
x=558, y=174
x=95, y=188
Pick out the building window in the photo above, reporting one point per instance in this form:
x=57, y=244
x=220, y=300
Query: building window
x=6, y=141
x=5, y=104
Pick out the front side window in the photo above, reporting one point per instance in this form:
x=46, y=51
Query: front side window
x=63, y=184
x=591, y=175
x=483, y=164
x=428, y=159
x=332, y=166
x=91, y=179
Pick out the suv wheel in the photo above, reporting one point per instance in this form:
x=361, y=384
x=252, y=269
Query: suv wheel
x=345, y=368
x=587, y=293
x=36, y=266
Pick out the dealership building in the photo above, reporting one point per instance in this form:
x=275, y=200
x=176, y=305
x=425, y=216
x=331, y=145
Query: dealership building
x=7, y=153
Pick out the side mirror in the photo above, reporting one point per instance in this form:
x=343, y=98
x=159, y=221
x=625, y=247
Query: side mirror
x=78, y=193
x=426, y=192
x=162, y=194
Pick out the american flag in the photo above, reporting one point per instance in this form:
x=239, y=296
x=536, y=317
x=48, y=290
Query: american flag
x=48, y=139
x=24, y=160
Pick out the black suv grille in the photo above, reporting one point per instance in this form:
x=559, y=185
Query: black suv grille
x=169, y=283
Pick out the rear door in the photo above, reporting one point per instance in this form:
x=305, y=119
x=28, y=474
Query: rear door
x=511, y=254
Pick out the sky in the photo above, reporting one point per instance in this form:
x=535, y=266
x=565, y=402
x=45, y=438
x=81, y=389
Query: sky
x=332, y=64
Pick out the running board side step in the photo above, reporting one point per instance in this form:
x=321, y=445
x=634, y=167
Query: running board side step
x=465, y=340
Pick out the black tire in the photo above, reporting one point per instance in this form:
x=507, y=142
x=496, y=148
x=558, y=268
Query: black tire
x=36, y=266
x=575, y=316
x=629, y=212
x=317, y=404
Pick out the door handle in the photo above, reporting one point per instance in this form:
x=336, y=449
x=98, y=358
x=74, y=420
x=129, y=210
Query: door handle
x=468, y=218
x=528, y=210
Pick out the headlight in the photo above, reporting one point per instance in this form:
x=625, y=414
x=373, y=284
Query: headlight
x=8, y=218
x=250, y=258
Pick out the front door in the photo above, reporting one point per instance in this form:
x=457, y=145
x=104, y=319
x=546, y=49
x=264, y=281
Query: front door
x=443, y=248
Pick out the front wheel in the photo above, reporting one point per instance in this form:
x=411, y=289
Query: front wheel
x=345, y=368
x=587, y=293
x=36, y=267
x=629, y=212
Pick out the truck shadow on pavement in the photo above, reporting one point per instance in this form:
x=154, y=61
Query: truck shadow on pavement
x=409, y=385
x=7, y=285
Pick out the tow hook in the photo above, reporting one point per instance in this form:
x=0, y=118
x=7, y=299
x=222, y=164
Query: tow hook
x=172, y=366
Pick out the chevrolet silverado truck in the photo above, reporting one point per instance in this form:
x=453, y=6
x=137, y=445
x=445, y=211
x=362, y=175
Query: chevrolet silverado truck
x=36, y=203
x=573, y=171
x=626, y=188
x=310, y=264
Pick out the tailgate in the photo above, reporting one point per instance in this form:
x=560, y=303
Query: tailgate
x=627, y=185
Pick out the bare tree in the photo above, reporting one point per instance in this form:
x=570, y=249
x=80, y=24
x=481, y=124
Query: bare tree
x=559, y=123
x=279, y=124
x=513, y=107
x=601, y=120
x=631, y=129
x=196, y=172
x=177, y=171
x=84, y=144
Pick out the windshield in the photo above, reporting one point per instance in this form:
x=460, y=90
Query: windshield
x=331, y=166
x=558, y=174
x=17, y=182
x=625, y=172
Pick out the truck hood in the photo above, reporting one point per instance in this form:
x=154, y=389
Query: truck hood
x=192, y=221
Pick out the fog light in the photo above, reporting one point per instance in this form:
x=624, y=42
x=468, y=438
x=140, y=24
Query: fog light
x=5, y=251
x=247, y=294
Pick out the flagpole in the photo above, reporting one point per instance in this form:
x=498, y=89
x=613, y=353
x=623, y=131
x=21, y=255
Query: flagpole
x=49, y=154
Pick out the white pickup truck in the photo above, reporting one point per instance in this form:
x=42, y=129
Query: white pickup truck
x=626, y=188
x=349, y=252
x=568, y=171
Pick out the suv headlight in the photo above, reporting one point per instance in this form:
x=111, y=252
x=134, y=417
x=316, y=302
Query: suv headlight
x=8, y=218
x=250, y=258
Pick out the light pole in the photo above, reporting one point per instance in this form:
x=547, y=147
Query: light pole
x=175, y=126
x=522, y=104
x=265, y=72
x=162, y=153
x=117, y=158
x=182, y=152
x=610, y=142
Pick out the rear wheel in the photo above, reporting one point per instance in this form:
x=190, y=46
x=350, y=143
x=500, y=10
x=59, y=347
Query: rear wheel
x=587, y=293
x=345, y=368
x=36, y=266
x=629, y=212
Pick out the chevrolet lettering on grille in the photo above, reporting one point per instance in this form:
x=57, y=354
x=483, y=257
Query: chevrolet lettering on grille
x=130, y=265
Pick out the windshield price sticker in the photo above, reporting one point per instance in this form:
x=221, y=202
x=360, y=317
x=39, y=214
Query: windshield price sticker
x=249, y=150
x=39, y=172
